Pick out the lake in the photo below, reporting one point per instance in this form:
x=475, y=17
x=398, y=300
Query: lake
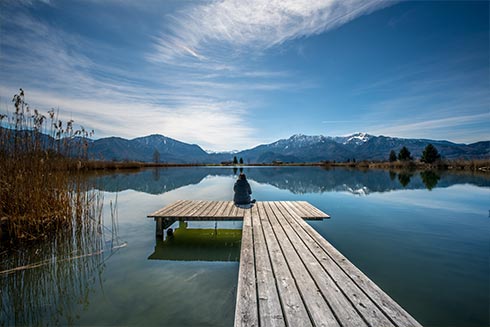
x=424, y=238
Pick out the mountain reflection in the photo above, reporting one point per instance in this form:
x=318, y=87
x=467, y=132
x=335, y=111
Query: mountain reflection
x=298, y=180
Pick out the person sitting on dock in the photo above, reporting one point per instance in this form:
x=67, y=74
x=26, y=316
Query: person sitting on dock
x=242, y=190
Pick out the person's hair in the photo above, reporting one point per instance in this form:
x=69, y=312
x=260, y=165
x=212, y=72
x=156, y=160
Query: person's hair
x=242, y=176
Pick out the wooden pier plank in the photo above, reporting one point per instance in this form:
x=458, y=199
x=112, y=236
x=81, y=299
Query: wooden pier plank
x=270, y=311
x=246, y=310
x=213, y=213
x=191, y=207
x=220, y=211
x=207, y=211
x=163, y=211
x=314, y=210
x=383, y=301
x=318, y=309
x=363, y=304
x=342, y=308
x=294, y=309
x=175, y=212
x=229, y=207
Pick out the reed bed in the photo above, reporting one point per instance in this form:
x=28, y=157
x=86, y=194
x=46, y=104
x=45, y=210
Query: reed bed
x=49, y=283
x=39, y=193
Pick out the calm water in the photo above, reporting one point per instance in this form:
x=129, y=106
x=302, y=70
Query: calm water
x=424, y=239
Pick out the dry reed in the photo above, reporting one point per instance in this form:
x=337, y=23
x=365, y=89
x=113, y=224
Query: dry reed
x=39, y=194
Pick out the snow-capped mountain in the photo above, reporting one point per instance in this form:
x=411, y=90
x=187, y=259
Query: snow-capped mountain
x=358, y=146
x=297, y=148
x=354, y=139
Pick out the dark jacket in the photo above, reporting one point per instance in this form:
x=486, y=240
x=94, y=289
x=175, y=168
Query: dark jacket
x=242, y=192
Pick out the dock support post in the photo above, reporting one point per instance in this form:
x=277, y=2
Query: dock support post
x=159, y=227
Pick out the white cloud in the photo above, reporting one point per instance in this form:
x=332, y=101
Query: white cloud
x=53, y=70
x=255, y=24
x=438, y=128
x=216, y=126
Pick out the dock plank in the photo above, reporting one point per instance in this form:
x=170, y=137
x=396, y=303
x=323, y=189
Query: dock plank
x=318, y=309
x=164, y=211
x=363, y=304
x=175, y=212
x=270, y=312
x=341, y=307
x=246, y=310
x=383, y=301
x=294, y=309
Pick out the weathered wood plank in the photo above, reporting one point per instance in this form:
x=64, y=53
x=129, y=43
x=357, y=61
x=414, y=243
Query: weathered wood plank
x=307, y=211
x=163, y=211
x=241, y=212
x=188, y=208
x=177, y=212
x=318, y=309
x=339, y=301
x=367, y=309
x=300, y=210
x=206, y=212
x=213, y=212
x=202, y=211
x=220, y=212
x=270, y=312
x=246, y=310
x=293, y=307
x=234, y=211
x=196, y=209
x=383, y=301
x=314, y=210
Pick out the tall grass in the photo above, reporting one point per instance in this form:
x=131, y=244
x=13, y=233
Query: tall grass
x=39, y=195
x=50, y=283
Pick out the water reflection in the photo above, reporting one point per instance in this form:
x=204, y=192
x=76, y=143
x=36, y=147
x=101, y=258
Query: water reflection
x=298, y=180
x=51, y=281
x=199, y=244
x=404, y=178
x=430, y=179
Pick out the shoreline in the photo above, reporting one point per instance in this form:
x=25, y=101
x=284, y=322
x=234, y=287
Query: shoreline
x=479, y=165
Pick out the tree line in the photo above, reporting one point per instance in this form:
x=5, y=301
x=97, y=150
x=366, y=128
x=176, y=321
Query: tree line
x=429, y=155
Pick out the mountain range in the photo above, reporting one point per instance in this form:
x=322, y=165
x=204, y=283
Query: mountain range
x=297, y=148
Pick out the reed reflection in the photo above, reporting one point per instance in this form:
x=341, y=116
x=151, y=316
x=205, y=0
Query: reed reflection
x=50, y=282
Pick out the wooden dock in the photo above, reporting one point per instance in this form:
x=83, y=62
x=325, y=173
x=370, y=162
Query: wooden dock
x=289, y=274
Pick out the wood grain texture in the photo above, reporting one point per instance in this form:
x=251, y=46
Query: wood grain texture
x=246, y=310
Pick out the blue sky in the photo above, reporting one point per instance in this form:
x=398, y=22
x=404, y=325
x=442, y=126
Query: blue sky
x=233, y=74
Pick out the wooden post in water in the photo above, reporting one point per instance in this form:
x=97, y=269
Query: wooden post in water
x=159, y=227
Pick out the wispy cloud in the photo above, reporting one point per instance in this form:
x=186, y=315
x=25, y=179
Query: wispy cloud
x=206, y=124
x=54, y=69
x=437, y=126
x=253, y=25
